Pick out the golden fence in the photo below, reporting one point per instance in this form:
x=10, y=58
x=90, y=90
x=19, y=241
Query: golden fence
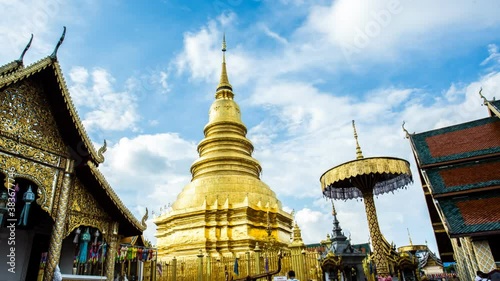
x=305, y=264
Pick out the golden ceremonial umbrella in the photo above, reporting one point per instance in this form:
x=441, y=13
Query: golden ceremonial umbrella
x=363, y=178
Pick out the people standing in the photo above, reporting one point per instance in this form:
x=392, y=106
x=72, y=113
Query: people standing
x=291, y=276
x=479, y=275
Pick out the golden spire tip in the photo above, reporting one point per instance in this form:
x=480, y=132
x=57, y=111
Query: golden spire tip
x=224, y=89
x=359, y=153
x=224, y=42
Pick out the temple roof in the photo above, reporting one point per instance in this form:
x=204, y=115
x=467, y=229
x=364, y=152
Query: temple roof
x=496, y=104
x=460, y=165
x=473, y=214
x=459, y=142
x=363, y=248
x=466, y=176
x=426, y=259
x=10, y=67
x=47, y=72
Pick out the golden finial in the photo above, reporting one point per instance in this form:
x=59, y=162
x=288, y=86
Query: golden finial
x=359, y=154
x=409, y=237
x=54, y=53
x=21, y=58
x=485, y=101
x=334, y=212
x=407, y=135
x=224, y=89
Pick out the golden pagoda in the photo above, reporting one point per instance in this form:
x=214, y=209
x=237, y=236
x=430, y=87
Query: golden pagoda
x=225, y=209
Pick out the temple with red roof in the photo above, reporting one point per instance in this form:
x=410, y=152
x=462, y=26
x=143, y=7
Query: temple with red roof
x=459, y=169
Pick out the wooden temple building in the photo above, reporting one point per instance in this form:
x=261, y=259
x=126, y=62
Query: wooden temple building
x=459, y=169
x=226, y=209
x=56, y=208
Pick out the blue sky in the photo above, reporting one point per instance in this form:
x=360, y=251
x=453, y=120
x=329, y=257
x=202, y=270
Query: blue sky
x=143, y=75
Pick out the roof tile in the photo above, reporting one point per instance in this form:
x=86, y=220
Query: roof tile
x=480, y=211
x=466, y=140
x=462, y=141
x=478, y=173
x=473, y=213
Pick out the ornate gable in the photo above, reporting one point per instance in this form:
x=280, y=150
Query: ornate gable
x=86, y=210
x=26, y=116
x=48, y=74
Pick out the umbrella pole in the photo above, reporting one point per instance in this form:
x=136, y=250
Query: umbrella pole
x=376, y=236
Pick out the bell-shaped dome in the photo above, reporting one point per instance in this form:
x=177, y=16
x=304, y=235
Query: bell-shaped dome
x=224, y=206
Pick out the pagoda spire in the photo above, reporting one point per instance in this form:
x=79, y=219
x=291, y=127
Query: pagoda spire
x=224, y=89
x=337, y=230
x=359, y=153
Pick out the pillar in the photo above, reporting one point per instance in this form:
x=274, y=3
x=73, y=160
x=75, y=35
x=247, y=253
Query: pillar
x=247, y=254
x=110, y=255
x=257, y=251
x=209, y=268
x=128, y=269
x=200, y=266
x=484, y=257
x=174, y=269
x=470, y=258
x=60, y=223
x=298, y=261
x=460, y=259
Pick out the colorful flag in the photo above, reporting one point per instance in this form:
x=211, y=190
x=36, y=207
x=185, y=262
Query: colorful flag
x=236, y=271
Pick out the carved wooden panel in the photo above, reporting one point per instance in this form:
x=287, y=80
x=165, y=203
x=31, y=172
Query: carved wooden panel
x=40, y=174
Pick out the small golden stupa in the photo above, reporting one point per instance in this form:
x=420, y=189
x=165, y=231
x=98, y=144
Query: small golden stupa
x=225, y=209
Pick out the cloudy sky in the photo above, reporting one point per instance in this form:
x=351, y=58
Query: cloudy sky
x=143, y=76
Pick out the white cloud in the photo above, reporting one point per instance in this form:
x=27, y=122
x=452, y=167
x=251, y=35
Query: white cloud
x=149, y=171
x=227, y=18
x=384, y=29
x=494, y=56
x=104, y=108
x=273, y=34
